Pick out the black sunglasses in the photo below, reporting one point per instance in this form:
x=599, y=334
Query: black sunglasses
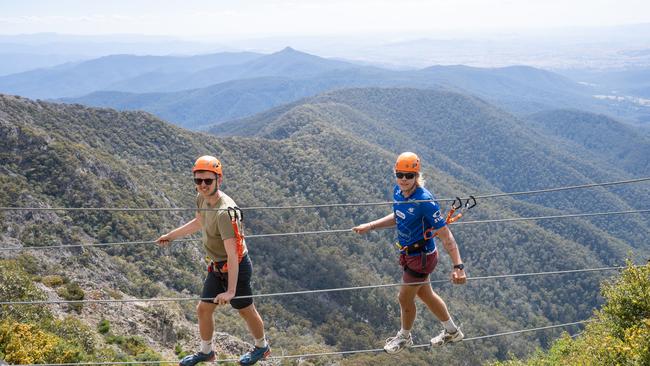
x=405, y=175
x=207, y=181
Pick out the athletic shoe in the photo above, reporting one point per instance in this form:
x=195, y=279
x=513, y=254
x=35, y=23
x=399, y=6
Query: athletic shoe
x=192, y=360
x=254, y=355
x=399, y=342
x=445, y=337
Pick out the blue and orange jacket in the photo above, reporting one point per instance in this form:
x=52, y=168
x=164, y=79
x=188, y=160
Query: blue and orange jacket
x=414, y=218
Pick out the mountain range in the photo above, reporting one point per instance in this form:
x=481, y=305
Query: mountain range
x=333, y=147
x=194, y=92
x=73, y=79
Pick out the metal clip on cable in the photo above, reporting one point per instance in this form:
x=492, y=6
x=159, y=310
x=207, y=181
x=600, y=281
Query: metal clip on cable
x=456, y=205
x=459, y=205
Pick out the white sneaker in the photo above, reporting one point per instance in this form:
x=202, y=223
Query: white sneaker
x=445, y=337
x=396, y=344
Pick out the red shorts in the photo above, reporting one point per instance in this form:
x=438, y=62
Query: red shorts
x=414, y=262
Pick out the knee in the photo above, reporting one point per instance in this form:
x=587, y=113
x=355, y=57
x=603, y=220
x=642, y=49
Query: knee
x=248, y=311
x=203, y=309
x=405, y=300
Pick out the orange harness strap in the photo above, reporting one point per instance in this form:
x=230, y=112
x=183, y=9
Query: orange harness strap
x=236, y=214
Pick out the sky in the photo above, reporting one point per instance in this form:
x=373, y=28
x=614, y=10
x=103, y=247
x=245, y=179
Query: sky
x=259, y=18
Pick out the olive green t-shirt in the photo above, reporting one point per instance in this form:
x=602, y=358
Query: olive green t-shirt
x=217, y=227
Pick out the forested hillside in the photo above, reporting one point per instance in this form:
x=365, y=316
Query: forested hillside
x=619, y=144
x=618, y=334
x=468, y=139
x=337, y=147
x=249, y=90
x=217, y=103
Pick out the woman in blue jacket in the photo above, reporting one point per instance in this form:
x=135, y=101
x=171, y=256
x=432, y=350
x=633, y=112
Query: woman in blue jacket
x=418, y=254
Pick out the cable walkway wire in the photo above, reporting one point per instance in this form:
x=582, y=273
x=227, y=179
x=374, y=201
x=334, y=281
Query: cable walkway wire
x=492, y=195
x=331, y=289
x=332, y=231
x=293, y=293
x=323, y=354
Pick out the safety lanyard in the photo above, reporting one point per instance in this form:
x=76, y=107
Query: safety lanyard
x=456, y=205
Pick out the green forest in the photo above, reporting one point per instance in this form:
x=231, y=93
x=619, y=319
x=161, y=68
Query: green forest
x=338, y=147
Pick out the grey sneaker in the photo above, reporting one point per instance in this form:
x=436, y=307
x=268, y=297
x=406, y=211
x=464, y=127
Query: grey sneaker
x=396, y=344
x=445, y=337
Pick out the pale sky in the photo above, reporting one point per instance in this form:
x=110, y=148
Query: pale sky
x=244, y=18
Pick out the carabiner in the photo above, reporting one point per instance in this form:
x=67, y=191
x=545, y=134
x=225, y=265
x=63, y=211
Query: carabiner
x=455, y=206
x=232, y=213
x=467, y=203
x=240, y=214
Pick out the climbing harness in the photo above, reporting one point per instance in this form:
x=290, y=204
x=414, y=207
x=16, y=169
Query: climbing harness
x=221, y=267
x=456, y=211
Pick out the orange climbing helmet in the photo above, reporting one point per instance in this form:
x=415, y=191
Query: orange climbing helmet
x=207, y=163
x=407, y=162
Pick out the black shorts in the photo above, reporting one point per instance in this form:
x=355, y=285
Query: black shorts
x=216, y=283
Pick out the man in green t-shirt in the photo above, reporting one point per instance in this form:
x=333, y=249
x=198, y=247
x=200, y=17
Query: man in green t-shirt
x=229, y=273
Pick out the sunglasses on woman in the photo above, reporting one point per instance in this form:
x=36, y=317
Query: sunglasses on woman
x=207, y=181
x=400, y=175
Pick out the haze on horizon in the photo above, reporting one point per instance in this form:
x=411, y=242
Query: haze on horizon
x=264, y=18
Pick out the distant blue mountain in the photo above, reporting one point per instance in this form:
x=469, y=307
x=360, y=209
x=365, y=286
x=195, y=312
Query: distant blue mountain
x=70, y=80
x=16, y=62
x=208, y=89
x=520, y=89
x=635, y=82
x=287, y=63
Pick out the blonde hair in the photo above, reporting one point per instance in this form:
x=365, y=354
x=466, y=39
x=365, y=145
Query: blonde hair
x=419, y=181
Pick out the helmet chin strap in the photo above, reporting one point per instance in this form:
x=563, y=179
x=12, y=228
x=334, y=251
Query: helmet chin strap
x=216, y=187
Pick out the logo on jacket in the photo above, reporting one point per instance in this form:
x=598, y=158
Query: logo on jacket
x=400, y=214
x=437, y=216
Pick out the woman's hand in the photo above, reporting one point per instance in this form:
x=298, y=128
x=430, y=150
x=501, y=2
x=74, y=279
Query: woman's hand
x=363, y=228
x=458, y=276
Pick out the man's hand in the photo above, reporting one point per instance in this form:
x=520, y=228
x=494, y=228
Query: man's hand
x=223, y=298
x=164, y=240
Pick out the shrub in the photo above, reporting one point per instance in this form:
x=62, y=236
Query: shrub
x=52, y=281
x=619, y=333
x=72, y=292
x=73, y=330
x=103, y=327
x=15, y=285
x=25, y=343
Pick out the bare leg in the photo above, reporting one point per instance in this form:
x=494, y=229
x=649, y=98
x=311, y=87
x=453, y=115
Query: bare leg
x=206, y=324
x=253, y=321
x=407, y=305
x=433, y=302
